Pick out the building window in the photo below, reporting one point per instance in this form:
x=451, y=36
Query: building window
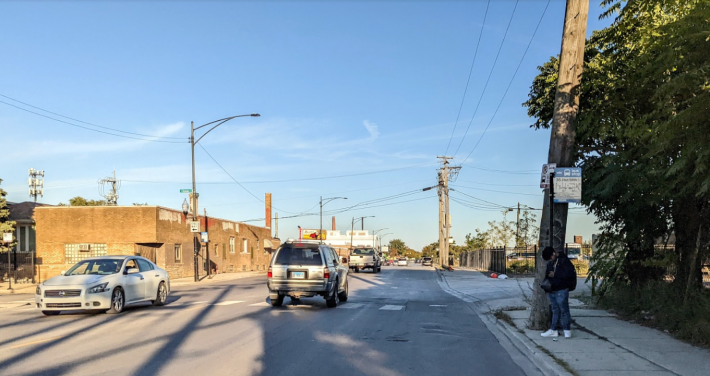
x=224, y=251
x=216, y=250
x=231, y=244
x=74, y=253
x=178, y=252
x=245, y=246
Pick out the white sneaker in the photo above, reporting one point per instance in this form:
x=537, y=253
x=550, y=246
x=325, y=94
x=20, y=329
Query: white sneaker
x=568, y=334
x=550, y=333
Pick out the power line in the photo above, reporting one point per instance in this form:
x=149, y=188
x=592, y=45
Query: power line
x=511, y=81
x=498, y=191
x=289, y=180
x=238, y=183
x=84, y=122
x=470, y=71
x=527, y=172
x=92, y=129
x=495, y=61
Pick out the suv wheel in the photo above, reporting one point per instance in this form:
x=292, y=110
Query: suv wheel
x=332, y=300
x=343, y=296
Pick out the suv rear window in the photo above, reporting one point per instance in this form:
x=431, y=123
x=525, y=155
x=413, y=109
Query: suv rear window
x=427, y=259
x=364, y=251
x=298, y=256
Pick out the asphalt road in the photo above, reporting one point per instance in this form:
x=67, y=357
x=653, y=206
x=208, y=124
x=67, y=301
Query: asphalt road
x=397, y=322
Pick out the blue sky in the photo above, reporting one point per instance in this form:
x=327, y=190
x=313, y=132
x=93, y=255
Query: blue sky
x=362, y=88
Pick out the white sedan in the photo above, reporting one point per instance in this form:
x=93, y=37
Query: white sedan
x=106, y=284
x=402, y=262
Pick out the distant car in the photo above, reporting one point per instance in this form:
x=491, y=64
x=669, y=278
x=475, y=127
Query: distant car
x=402, y=262
x=307, y=269
x=107, y=284
x=427, y=261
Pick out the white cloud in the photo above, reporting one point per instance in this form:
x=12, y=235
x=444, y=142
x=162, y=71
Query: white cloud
x=372, y=129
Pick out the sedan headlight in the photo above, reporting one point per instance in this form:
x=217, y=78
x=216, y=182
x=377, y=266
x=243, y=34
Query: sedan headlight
x=38, y=291
x=98, y=288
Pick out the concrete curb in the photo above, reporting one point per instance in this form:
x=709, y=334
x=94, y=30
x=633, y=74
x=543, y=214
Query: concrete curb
x=232, y=276
x=505, y=333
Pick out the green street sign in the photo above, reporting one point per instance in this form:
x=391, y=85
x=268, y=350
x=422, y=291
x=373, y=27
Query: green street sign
x=186, y=191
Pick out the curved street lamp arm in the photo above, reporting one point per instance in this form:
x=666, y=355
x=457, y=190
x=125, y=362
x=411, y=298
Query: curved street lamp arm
x=220, y=122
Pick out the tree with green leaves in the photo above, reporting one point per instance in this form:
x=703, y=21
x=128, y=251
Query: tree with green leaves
x=397, y=247
x=431, y=250
x=80, y=201
x=502, y=233
x=5, y=224
x=642, y=139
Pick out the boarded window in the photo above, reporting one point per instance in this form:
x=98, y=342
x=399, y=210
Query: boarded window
x=231, y=244
x=178, y=252
x=74, y=253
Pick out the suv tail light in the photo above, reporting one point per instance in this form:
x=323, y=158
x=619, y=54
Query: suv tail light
x=269, y=274
x=326, y=273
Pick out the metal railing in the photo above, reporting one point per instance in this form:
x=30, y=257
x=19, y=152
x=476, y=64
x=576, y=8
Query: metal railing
x=21, y=268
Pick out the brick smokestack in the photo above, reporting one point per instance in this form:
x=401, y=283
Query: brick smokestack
x=268, y=210
x=333, y=223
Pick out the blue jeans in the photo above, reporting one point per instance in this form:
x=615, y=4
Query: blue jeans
x=559, y=301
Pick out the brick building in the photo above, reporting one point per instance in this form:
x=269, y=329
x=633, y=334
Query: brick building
x=67, y=234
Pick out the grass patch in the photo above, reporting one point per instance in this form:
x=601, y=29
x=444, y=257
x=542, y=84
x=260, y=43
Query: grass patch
x=660, y=305
x=557, y=360
x=501, y=315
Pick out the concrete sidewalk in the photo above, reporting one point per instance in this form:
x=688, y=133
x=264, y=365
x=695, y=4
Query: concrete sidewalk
x=22, y=288
x=601, y=344
x=215, y=278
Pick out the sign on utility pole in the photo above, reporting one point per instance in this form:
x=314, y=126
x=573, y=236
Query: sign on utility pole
x=7, y=237
x=568, y=185
x=186, y=190
x=547, y=168
x=194, y=226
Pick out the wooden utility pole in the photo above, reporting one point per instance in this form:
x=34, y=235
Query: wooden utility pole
x=561, y=144
x=445, y=174
x=441, y=216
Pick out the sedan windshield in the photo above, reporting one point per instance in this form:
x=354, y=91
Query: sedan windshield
x=363, y=251
x=96, y=267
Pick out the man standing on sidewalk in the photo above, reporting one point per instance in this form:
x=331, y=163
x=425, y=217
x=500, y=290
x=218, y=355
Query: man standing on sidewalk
x=563, y=278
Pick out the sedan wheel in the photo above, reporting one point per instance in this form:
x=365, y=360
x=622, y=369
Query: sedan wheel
x=162, y=295
x=117, y=301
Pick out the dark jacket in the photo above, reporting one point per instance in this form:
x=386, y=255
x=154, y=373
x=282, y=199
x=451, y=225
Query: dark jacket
x=565, y=274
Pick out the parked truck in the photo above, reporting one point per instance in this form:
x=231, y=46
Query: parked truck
x=365, y=258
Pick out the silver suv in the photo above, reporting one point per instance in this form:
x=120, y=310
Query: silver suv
x=301, y=269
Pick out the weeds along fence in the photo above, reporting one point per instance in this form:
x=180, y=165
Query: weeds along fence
x=520, y=260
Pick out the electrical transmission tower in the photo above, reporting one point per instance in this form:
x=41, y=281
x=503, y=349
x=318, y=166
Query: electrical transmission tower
x=114, y=185
x=446, y=174
x=36, y=183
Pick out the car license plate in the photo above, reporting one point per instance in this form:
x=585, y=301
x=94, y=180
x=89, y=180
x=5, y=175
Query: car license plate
x=300, y=275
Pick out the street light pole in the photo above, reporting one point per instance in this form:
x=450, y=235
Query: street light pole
x=373, y=236
x=320, y=230
x=352, y=227
x=195, y=240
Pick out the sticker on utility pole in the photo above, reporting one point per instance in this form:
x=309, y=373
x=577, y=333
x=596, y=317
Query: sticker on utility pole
x=547, y=168
x=194, y=226
x=204, y=237
x=568, y=184
x=7, y=237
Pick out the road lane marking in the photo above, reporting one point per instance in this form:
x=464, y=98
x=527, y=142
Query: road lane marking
x=350, y=306
x=193, y=303
x=229, y=302
x=262, y=304
x=437, y=305
x=34, y=342
x=392, y=308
